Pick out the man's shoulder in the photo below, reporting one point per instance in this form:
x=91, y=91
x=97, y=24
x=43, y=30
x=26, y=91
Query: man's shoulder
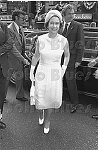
x=77, y=23
x=10, y=27
x=3, y=25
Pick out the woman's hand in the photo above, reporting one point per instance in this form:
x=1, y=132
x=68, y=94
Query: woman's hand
x=62, y=73
x=32, y=101
x=32, y=73
x=32, y=91
x=63, y=70
x=31, y=76
x=77, y=64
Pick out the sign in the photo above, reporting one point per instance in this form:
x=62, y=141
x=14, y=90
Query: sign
x=83, y=16
x=5, y=17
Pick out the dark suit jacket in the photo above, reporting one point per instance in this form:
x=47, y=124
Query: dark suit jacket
x=75, y=37
x=16, y=58
x=4, y=49
x=10, y=58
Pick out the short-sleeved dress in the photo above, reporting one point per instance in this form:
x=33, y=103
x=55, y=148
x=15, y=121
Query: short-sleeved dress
x=48, y=78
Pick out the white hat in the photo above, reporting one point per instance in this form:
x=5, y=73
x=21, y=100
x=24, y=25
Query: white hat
x=52, y=13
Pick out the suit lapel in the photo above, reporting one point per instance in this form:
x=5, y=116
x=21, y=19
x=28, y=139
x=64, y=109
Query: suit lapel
x=70, y=28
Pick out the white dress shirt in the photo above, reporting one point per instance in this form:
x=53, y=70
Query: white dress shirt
x=67, y=26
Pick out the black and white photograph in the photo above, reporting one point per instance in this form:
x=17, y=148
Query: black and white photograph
x=48, y=75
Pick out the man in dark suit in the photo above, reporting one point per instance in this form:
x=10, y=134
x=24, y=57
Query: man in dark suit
x=73, y=31
x=5, y=46
x=17, y=34
x=91, y=64
x=7, y=49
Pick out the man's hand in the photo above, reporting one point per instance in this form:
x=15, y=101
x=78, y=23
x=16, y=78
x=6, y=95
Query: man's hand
x=26, y=62
x=77, y=64
x=92, y=63
x=96, y=74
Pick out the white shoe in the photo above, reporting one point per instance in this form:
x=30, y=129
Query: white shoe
x=46, y=130
x=41, y=121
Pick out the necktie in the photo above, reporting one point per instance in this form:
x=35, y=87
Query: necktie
x=65, y=29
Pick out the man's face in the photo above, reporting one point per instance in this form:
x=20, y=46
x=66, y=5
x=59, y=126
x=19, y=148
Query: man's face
x=69, y=15
x=20, y=20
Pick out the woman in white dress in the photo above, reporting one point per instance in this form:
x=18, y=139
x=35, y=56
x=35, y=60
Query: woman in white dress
x=49, y=73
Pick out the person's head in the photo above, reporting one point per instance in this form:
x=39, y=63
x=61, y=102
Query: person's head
x=68, y=13
x=53, y=21
x=18, y=16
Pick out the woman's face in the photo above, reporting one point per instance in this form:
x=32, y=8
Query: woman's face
x=54, y=25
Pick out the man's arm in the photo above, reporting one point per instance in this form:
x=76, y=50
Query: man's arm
x=8, y=42
x=15, y=51
x=6, y=47
x=80, y=43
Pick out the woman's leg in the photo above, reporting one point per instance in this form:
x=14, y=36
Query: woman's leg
x=41, y=117
x=41, y=114
x=47, y=117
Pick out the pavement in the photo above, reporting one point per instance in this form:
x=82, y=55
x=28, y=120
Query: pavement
x=77, y=131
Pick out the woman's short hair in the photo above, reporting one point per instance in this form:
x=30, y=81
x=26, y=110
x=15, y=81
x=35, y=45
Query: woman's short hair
x=17, y=13
x=67, y=7
x=47, y=23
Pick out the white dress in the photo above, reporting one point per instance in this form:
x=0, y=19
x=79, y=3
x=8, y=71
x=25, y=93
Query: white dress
x=48, y=78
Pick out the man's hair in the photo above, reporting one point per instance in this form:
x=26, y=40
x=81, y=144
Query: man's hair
x=17, y=13
x=66, y=7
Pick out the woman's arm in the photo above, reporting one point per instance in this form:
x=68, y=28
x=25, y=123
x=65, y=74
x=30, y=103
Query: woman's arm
x=35, y=59
x=36, y=56
x=66, y=55
x=66, y=58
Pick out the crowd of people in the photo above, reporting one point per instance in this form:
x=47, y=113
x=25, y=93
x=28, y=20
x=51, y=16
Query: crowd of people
x=59, y=53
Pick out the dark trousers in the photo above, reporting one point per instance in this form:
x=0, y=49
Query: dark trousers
x=2, y=89
x=70, y=76
x=19, y=75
